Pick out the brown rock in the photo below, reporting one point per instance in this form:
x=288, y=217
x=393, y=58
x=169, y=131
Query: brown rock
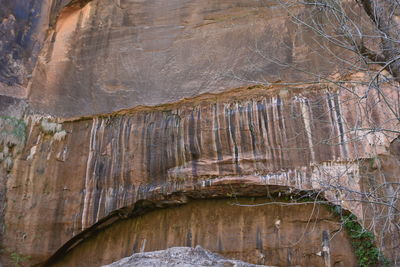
x=112, y=54
x=78, y=176
x=250, y=234
x=242, y=138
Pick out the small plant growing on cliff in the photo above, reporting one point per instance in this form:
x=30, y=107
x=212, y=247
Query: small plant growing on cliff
x=12, y=139
x=362, y=240
x=17, y=259
x=361, y=38
x=13, y=131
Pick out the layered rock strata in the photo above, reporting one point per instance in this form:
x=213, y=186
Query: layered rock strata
x=81, y=170
x=63, y=179
x=112, y=54
x=267, y=233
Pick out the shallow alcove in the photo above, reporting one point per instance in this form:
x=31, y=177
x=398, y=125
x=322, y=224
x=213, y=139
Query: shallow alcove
x=285, y=234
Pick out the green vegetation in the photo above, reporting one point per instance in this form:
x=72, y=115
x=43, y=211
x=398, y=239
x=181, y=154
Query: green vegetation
x=17, y=259
x=12, y=139
x=362, y=240
x=13, y=130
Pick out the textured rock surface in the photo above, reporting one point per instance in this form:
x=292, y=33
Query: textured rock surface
x=64, y=178
x=113, y=54
x=258, y=136
x=270, y=234
x=22, y=27
x=179, y=256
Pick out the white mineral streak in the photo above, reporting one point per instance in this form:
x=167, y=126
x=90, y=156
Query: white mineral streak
x=316, y=141
x=89, y=172
x=50, y=127
x=32, y=153
x=305, y=111
x=338, y=122
x=59, y=136
x=279, y=142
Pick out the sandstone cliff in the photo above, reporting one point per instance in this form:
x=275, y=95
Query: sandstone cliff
x=127, y=125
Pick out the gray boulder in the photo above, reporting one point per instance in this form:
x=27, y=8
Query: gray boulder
x=179, y=256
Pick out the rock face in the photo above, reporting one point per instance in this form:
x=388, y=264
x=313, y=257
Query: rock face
x=114, y=109
x=80, y=171
x=179, y=256
x=263, y=233
x=112, y=54
x=23, y=25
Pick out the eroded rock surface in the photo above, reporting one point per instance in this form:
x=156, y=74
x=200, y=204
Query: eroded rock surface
x=22, y=27
x=260, y=136
x=179, y=256
x=94, y=165
x=114, y=54
x=265, y=232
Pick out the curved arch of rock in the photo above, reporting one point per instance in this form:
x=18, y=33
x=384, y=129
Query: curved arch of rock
x=80, y=177
x=275, y=136
x=222, y=218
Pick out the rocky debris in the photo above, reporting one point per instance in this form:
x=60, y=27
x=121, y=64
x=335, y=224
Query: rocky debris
x=179, y=256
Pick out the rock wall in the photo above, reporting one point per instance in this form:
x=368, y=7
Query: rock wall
x=23, y=27
x=273, y=235
x=80, y=171
x=122, y=102
x=113, y=54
